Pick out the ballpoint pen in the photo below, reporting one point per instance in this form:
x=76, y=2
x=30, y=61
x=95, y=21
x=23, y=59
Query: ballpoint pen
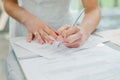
x=74, y=22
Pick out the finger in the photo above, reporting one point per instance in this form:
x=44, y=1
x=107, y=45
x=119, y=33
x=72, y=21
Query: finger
x=63, y=28
x=75, y=44
x=73, y=37
x=46, y=37
x=70, y=31
x=54, y=35
x=52, y=29
x=39, y=38
x=30, y=38
x=63, y=31
x=52, y=32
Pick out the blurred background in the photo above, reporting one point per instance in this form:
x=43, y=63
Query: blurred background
x=110, y=19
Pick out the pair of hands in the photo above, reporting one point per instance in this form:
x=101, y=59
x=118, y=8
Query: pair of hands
x=70, y=36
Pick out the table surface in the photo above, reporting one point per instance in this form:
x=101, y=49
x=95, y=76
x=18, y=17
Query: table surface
x=20, y=73
x=18, y=70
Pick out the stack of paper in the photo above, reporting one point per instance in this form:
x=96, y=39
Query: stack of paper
x=22, y=53
x=92, y=61
x=98, y=63
x=52, y=51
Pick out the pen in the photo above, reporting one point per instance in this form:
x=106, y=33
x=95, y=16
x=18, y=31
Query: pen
x=74, y=22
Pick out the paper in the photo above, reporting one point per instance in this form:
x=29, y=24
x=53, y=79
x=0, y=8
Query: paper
x=52, y=51
x=112, y=35
x=21, y=53
x=98, y=63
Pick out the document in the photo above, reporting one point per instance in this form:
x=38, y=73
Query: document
x=98, y=63
x=22, y=53
x=52, y=51
x=112, y=35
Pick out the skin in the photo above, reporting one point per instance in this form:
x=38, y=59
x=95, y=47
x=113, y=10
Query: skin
x=72, y=37
x=35, y=25
x=75, y=36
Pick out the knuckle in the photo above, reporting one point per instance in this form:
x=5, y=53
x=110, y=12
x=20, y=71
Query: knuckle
x=66, y=27
x=79, y=34
x=38, y=37
x=64, y=33
x=40, y=30
x=47, y=38
x=50, y=32
x=66, y=39
x=43, y=33
x=76, y=29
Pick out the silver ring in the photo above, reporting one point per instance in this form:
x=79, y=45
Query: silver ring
x=35, y=33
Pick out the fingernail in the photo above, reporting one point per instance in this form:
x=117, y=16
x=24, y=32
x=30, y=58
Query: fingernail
x=57, y=33
x=42, y=43
x=58, y=38
x=50, y=42
x=29, y=41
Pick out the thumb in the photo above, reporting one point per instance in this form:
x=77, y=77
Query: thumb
x=63, y=28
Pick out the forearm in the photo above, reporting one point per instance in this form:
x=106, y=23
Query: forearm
x=15, y=11
x=90, y=21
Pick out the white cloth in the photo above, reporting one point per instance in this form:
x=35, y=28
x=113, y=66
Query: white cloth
x=56, y=13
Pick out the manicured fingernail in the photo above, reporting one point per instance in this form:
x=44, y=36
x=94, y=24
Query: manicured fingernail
x=42, y=43
x=57, y=33
x=58, y=38
x=29, y=41
x=51, y=42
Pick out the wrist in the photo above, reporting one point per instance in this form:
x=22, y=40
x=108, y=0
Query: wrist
x=84, y=31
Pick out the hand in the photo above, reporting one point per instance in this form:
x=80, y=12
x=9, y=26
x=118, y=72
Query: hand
x=40, y=30
x=72, y=36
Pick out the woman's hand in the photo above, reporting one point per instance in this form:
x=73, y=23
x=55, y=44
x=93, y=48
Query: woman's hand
x=72, y=36
x=40, y=30
x=37, y=28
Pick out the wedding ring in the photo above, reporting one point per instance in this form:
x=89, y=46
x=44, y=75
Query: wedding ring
x=35, y=33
